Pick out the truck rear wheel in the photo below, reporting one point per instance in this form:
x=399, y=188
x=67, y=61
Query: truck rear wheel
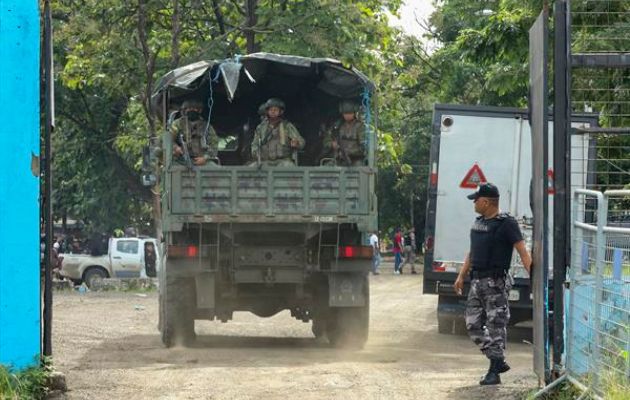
x=177, y=307
x=319, y=327
x=348, y=327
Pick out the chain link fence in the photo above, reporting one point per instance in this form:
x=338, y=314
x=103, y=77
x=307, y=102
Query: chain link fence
x=598, y=304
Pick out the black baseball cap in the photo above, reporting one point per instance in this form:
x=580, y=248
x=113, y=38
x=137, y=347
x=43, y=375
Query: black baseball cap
x=485, y=190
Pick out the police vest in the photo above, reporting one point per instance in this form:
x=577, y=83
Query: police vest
x=487, y=249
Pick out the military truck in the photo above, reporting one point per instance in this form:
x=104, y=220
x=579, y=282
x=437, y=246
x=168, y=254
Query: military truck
x=242, y=236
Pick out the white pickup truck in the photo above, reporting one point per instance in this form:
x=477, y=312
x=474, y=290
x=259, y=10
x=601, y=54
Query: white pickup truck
x=126, y=258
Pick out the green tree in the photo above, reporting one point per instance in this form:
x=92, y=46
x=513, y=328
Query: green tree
x=109, y=53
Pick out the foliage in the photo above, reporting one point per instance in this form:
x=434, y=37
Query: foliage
x=481, y=59
x=26, y=384
x=108, y=54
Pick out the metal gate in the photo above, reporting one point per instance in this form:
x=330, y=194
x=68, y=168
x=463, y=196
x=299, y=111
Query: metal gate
x=598, y=311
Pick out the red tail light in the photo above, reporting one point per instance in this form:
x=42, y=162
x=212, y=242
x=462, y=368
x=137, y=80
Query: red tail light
x=439, y=266
x=355, y=252
x=183, y=251
x=192, y=251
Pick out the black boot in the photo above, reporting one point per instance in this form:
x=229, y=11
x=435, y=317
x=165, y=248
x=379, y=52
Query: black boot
x=492, y=376
x=500, y=366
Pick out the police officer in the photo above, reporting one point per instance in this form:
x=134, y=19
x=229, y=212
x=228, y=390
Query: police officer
x=345, y=140
x=276, y=140
x=493, y=237
x=192, y=134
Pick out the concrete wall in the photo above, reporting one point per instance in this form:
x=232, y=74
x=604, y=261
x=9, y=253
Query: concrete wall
x=19, y=188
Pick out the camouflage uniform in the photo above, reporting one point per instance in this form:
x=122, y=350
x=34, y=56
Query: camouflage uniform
x=350, y=138
x=488, y=313
x=273, y=143
x=199, y=142
x=349, y=135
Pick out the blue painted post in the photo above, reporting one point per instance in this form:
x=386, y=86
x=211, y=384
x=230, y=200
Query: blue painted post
x=19, y=186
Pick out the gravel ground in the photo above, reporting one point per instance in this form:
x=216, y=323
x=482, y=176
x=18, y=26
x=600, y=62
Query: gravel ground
x=108, y=346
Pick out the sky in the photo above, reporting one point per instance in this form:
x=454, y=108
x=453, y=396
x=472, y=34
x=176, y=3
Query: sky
x=412, y=9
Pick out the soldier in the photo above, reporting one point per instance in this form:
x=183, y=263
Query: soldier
x=262, y=111
x=276, y=139
x=194, y=139
x=493, y=237
x=345, y=139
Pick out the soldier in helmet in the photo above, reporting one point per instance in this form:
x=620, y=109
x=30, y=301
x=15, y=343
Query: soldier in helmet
x=276, y=139
x=262, y=111
x=193, y=135
x=344, y=141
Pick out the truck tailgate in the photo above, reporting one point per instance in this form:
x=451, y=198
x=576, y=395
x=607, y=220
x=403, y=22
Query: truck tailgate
x=277, y=191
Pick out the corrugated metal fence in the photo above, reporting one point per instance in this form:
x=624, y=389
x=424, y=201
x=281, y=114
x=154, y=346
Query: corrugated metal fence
x=598, y=304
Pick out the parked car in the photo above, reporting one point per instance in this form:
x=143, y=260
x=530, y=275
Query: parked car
x=126, y=258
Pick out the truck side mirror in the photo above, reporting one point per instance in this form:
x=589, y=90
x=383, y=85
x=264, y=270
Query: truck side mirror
x=149, y=179
x=148, y=160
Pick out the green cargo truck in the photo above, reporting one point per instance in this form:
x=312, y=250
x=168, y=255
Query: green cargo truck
x=242, y=236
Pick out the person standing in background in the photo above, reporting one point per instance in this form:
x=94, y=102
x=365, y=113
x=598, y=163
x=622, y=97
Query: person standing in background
x=376, y=253
x=397, y=250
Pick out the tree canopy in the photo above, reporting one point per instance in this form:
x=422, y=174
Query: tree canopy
x=109, y=54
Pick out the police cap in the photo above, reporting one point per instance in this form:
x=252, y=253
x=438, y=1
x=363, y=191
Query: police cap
x=485, y=190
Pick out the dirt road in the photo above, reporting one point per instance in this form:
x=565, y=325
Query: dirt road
x=108, y=346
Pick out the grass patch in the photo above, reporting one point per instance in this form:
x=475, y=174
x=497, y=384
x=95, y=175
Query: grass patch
x=615, y=387
x=564, y=391
x=28, y=384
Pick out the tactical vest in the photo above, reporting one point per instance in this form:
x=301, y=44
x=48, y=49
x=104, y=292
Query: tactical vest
x=486, y=246
x=275, y=143
x=349, y=138
x=194, y=135
x=194, y=131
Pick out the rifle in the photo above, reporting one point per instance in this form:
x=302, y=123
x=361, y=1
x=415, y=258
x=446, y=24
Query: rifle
x=179, y=140
x=259, y=150
x=340, y=150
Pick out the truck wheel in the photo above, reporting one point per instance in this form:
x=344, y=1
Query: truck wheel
x=177, y=313
x=93, y=275
x=445, y=325
x=348, y=327
x=319, y=327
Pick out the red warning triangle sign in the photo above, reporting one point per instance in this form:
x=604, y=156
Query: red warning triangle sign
x=473, y=178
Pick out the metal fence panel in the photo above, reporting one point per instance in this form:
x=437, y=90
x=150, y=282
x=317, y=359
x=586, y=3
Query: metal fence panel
x=598, y=315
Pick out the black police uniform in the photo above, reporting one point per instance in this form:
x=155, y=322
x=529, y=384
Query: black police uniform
x=487, y=311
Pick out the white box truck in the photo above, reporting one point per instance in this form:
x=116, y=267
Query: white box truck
x=472, y=144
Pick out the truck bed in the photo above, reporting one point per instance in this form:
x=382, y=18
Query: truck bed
x=249, y=194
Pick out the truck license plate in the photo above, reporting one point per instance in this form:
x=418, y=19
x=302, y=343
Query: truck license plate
x=514, y=295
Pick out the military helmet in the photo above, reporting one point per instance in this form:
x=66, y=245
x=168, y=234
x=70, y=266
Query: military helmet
x=262, y=109
x=192, y=104
x=275, y=102
x=347, y=106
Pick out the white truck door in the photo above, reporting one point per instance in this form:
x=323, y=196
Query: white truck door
x=500, y=149
x=471, y=147
x=126, y=258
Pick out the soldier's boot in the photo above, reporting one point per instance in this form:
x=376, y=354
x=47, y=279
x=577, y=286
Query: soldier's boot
x=501, y=366
x=492, y=376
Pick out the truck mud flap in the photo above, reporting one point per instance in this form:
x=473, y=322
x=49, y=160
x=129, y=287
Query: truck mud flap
x=347, y=290
x=204, y=283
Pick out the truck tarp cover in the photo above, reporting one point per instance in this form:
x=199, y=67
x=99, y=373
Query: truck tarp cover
x=241, y=85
